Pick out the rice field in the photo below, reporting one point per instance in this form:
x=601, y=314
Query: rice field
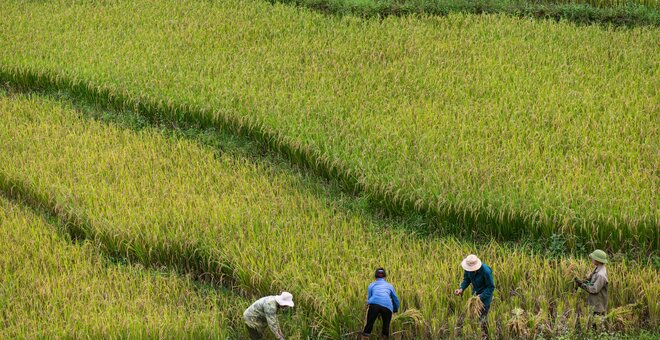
x=509, y=128
x=51, y=287
x=162, y=199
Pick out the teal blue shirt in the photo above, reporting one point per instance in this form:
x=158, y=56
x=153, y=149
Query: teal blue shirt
x=482, y=283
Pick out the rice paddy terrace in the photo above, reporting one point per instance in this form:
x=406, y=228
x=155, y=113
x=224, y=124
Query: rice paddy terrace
x=165, y=163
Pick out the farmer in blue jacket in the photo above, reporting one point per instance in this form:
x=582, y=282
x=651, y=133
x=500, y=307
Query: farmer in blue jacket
x=480, y=276
x=382, y=302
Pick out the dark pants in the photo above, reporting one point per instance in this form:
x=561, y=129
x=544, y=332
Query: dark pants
x=255, y=334
x=483, y=322
x=372, y=314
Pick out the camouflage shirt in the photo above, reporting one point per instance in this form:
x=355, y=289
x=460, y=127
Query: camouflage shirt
x=263, y=313
x=596, y=286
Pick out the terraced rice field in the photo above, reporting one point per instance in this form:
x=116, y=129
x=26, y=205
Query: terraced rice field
x=262, y=228
x=507, y=127
x=163, y=164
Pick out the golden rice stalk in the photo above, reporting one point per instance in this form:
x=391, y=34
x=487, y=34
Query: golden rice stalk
x=572, y=271
x=474, y=307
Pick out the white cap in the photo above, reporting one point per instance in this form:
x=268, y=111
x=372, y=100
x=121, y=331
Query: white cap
x=471, y=263
x=284, y=299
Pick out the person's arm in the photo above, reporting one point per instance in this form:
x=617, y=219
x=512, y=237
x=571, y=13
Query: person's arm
x=595, y=286
x=466, y=280
x=395, y=299
x=490, y=287
x=271, y=317
x=370, y=292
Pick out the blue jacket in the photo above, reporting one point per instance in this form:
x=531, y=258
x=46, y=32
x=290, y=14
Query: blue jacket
x=482, y=283
x=382, y=293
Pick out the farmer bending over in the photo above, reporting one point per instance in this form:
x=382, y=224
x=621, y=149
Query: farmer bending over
x=481, y=278
x=263, y=313
x=596, y=283
x=382, y=301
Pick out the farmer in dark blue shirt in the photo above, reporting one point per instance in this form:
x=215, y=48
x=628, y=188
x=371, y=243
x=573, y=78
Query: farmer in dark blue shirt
x=480, y=276
x=382, y=302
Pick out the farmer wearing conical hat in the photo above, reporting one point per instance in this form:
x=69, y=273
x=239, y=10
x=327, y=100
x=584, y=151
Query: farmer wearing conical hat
x=596, y=283
x=263, y=313
x=480, y=276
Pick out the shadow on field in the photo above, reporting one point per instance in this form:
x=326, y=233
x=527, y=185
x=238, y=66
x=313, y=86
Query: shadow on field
x=626, y=16
x=221, y=141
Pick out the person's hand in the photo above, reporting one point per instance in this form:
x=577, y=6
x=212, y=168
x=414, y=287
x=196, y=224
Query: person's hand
x=576, y=283
x=458, y=292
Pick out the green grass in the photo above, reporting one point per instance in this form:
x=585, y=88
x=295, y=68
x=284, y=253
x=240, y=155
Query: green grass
x=507, y=127
x=51, y=287
x=161, y=198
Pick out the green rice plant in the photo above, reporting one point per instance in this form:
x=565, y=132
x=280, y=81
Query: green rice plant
x=441, y=116
x=540, y=323
x=51, y=288
x=159, y=199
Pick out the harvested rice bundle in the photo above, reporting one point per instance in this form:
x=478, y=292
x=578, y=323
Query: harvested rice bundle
x=622, y=318
x=474, y=307
x=409, y=323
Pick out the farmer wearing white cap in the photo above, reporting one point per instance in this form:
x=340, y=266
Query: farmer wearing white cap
x=596, y=283
x=480, y=276
x=263, y=313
